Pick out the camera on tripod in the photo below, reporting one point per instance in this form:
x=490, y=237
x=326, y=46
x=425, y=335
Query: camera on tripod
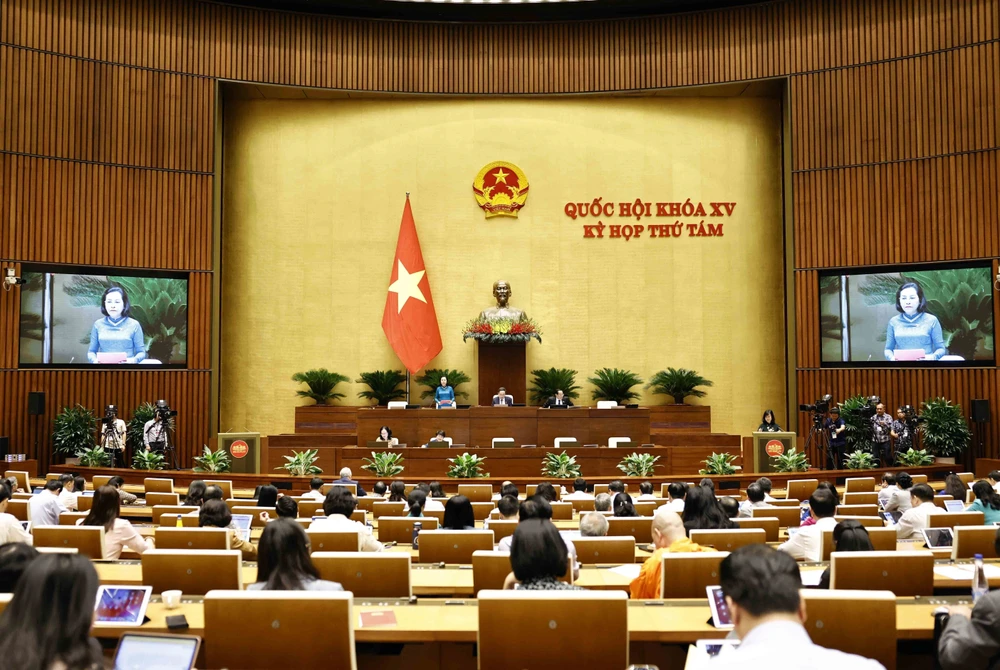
x=910, y=416
x=821, y=406
x=163, y=410
x=867, y=409
x=110, y=414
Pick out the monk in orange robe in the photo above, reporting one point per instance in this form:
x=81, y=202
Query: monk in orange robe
x=668, y=536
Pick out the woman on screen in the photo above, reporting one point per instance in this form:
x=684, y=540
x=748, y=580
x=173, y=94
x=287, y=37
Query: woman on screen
x=116, y=338
x=768, y=424
x=914, y=328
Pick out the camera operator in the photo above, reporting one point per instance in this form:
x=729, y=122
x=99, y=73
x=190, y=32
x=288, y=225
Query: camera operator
x=113, y=436
x=154, y=433
x=882, y=430
x=837, y=430
x=901, y=432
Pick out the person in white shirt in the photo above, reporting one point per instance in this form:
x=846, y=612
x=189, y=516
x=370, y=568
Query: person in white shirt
x=338, y=507
x=509, y=506
x=900, y=499
x=755, y=498
x=804, y=545
x=765, y=484
x=154, y=433
x=646, y=491
x=994, y=478
x=67, y=496
x=113, y=431
x=761, y=587
x=431, y=505
x=916, y=519
x=676, y=492
x=44, y=508
x=579, y=490
x=315, y=484
x=888, y=488
x=505, y=484
x=10, y=527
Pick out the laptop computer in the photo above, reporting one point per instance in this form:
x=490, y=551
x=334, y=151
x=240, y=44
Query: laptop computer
x=954, y=505
x=136, y=651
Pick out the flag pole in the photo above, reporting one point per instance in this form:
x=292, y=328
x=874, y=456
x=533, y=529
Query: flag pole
x=407, y=370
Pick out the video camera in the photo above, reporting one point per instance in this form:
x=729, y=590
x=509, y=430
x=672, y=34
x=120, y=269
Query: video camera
x=910, y=416
x=821, y=406
x=867, y=410
x=163, y=410
x=110, y=414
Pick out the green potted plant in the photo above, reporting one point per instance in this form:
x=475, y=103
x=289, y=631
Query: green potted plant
x=912, y=457
x=213, y=461
x=432, y=379
x=73, y=430
x=678, y=383
x=719, y=464
x=860, y=460
x=467, y=466
x=638, y=464
x=321, y=383
x=614, y=384
x=302, y=463
x=560, y=466
x=545, y=383
x=858, y=435
x=944, y=430
x=148, y=460
x=384, y=463
x=791, y=461
x=383, y=386
x=94, y=457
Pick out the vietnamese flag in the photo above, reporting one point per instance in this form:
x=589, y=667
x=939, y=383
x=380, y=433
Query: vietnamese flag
x=409, y=320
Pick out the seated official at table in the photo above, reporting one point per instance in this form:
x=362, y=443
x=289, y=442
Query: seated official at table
x=438, y=438
x=444, y=395
x=385, y=435
x=768, y=423
x=501, y=398
x=558, y=400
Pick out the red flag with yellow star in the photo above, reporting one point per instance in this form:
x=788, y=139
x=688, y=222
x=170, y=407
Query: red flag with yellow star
x=409, y=320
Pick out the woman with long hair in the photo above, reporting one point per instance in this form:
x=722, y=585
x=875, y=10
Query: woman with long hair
x=267, y=496
x=415, y=502
x=458, y=514
x=283, y=561
x=118, y=533
x=954, y=487
x=397, y=491
x=622, y=505
x=987, y=501
x=702, y=511
x=216, y=514
x=196, y=494
x=848, y=535
x=46, y=625
x=437, y=491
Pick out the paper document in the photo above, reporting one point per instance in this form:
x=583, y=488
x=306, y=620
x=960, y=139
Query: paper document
x=630, y=570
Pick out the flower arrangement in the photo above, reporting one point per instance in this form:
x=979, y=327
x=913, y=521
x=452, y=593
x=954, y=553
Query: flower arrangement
x=501, y=331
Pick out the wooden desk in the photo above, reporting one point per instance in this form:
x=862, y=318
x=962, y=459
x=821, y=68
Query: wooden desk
x=622, y=422
x=571, y=422
x=485, y=423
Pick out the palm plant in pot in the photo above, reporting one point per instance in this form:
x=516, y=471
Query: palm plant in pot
x=73, y=430
x=383, y=386
x=545, y=383
x=321, y=383
x=678, y=383
x=614, y=384
x=560, y=466
x=944, y=430
x=638, y=465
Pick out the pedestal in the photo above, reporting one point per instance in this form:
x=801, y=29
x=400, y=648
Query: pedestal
x=502, y=365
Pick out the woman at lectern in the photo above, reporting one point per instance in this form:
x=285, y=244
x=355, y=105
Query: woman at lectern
x=768, y=424
x=444, y=395
x=117, y=337
x=385, y=435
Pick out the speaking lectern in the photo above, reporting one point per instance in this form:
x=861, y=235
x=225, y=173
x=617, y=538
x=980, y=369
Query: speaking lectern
x=502, y=365
x=244, y=450
x=767, y=446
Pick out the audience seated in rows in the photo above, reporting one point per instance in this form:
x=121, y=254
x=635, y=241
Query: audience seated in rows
x=118, y=533
x=669, y=536
x=593, y=524
x=615, y=487
x=825, y=486
x=916, y=519
x=44, y=508
x=954, y=487
x=267, y=496
x=547, y=491
x=415, y=503
x=436, y=490
x=283, y=561
x=339, y=505
x=987, y=501
x=887, y=488
x=646, y=491
x=708, y=484
x=900, y=500
x=46, y=625
x=10, y=527
x=378, y=490
x=971, y=636
x=68, y=494
x=805, y=544
x=397, y=491
x=430, y=505
x=702, y=510
x=285, y=508
x=458, y=514
x=508, y=508
x=315, y=489
x=761, y=587
x=755, y=498
x=579, y=490
x=14, y=560
x=848, y=535
x=676, y=492
x=538, y=558
x=994, y=479
x=216, y=514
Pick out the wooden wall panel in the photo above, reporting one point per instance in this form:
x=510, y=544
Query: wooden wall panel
x=58, y=211
x=945, y=208
x=71, y=108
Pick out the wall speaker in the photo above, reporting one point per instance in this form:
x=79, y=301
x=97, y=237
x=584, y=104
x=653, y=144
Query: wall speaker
x=36, y=403
x=981, y=411
x=4, y=446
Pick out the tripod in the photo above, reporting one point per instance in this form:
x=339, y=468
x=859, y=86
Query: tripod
x=111, y=441
x=162, y=444
x=816, y=438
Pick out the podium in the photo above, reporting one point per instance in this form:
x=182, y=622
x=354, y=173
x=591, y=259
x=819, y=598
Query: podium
x=768, y=445
x=502, y=365
x=243, y=450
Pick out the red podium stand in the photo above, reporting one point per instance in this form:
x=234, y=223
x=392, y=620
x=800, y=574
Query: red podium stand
x=502, y=365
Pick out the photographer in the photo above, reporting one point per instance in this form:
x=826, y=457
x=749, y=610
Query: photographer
x=837, y=430
x=154, y=433
x=882, y=430
x=901, y=432
x=113, y=436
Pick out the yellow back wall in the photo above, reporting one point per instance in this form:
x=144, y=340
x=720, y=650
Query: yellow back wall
x=314, y=191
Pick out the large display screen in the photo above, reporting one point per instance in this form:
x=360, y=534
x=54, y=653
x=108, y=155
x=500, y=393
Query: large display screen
x=70, y=319
x=908, y=316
